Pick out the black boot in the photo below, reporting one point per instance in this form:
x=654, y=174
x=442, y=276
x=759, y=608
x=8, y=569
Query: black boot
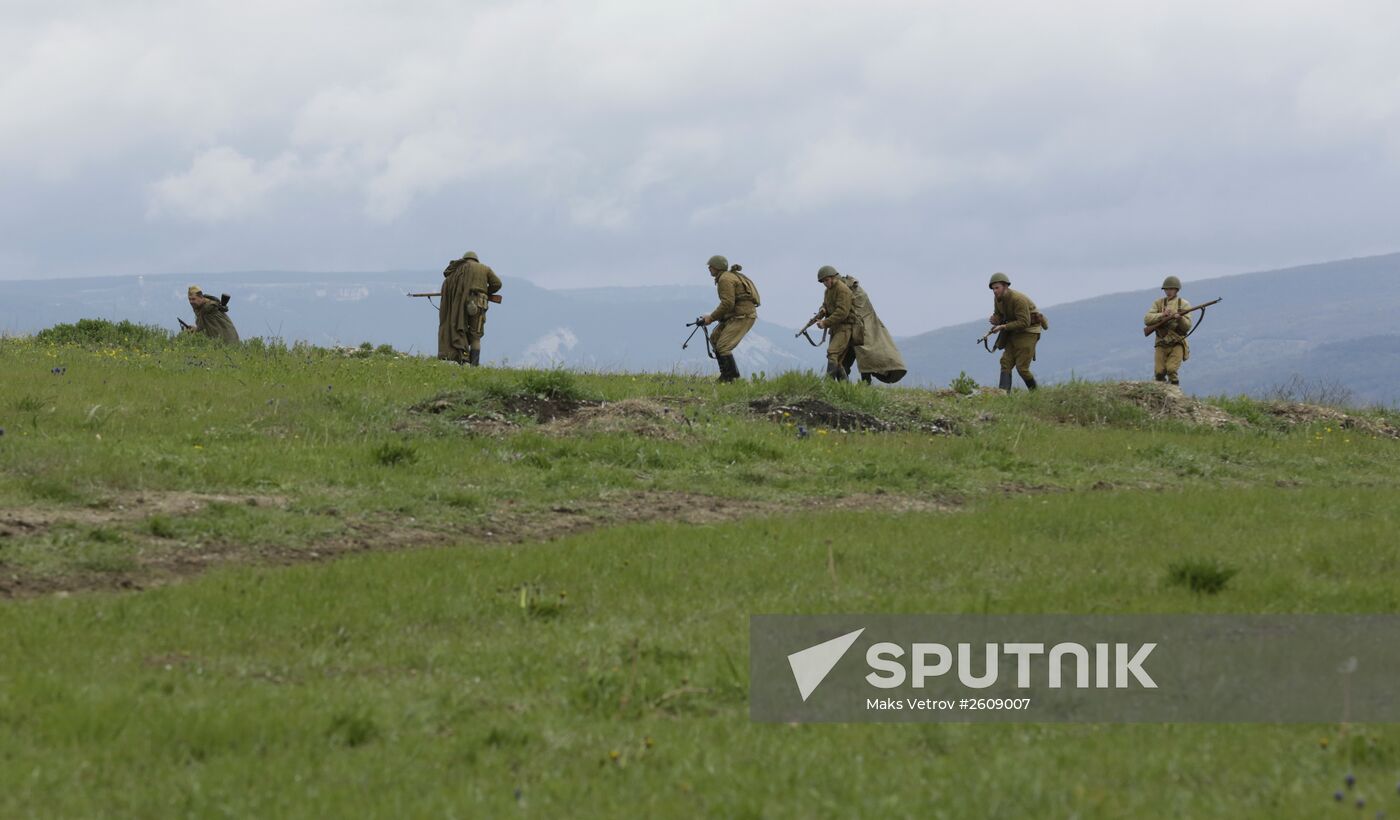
x=834, y=372
x=1030, y=382
x=1005, y=383
x=475, y=360
x=865, y=377
x=728, y=368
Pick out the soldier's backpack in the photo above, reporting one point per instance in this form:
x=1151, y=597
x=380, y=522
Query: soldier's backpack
x=747, y=283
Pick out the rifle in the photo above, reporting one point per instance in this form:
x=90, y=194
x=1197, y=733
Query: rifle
x=990, y=348
x=1150, y=329
x=816, y=317
x=700, y=326
x=494, y=298
x=183, y=324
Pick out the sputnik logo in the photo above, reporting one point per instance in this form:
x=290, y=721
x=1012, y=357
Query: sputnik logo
x=811, y=665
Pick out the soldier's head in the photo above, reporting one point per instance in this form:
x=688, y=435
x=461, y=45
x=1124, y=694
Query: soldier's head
x=827, y=274
x=718, y=264
x=1171, y=286
x=471, y=255
x=195, y=295
x=999, y=283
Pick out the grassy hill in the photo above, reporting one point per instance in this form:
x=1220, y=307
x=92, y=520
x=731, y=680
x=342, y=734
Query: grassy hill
x=541, y=580
x=1271, y=327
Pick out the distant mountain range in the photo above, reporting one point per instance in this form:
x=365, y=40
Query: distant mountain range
x=1326, y=324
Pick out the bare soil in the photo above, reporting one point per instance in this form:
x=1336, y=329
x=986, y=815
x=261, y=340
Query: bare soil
x=510, y=524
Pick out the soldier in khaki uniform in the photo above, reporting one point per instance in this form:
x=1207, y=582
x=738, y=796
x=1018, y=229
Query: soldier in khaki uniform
x=466, y=286
x=1018, y=325
x=210, y=317
x=736, y=313
x=840, y=322
x=1171, y=349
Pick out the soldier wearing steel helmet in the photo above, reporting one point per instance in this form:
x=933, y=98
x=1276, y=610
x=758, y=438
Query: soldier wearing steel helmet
x=840, y=322
x=736, y=313
x=1018, y=326
x=466, y=287
x=1171, y=348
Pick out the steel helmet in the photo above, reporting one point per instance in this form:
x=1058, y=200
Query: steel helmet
x=826, y=270
x=999, y=277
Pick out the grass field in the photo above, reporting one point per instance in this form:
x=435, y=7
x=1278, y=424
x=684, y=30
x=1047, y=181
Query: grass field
x=546, y=617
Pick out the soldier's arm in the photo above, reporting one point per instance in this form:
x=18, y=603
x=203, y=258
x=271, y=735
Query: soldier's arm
x=841, y=311
x=1183, y=323
x=1022, y=318
x=493, y=282
x=1153, y=315
x=725, y=286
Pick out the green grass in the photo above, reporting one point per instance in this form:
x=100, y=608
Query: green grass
x=606, y=673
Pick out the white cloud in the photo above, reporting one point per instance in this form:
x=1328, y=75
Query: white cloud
x=922, y=141
x=221, y=184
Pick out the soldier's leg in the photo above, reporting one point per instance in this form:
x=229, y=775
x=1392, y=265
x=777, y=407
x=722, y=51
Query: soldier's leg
x=836, y=353
x=1159, y=363
x=1171, y=363
x=1008, y=363
x=1025, y=354
x=727, y=337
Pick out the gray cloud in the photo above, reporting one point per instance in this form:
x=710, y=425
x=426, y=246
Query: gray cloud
x=1083, y=147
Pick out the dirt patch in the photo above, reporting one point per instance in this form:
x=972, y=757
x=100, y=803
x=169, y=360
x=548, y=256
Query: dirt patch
x=542, y=409
x=508, y=524
x=120, y=509
x=1165, y=401
x=818, y=414
x=639, y=417
x=1294, y=414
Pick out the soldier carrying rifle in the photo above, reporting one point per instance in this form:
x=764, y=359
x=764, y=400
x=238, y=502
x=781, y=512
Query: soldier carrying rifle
x=468, y=289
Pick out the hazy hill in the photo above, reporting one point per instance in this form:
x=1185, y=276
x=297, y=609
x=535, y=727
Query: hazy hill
x=594, y=328
x=1320, y=324
x=1330, y=322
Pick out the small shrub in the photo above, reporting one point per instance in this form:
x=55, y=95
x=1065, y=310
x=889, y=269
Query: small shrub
x=556, y=385
x=102, y=333
x=160, y=526
x=1205, y=576
x=352, y=729
x=392, y=453
x=964, y=385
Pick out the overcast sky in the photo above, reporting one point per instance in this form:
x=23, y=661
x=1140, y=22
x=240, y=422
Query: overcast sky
x=1083, y=147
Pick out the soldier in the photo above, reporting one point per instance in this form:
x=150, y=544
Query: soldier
x=876, y=354
x=1018, y=326
x=466, y=287
x=839, y=320
x=211, y=316
x=1171, y=349
x=736, y=313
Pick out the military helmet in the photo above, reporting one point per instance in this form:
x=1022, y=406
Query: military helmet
x=718, y=262
x=826, y=270
x=999, y=277
x=472, y=256
x=1171, y=282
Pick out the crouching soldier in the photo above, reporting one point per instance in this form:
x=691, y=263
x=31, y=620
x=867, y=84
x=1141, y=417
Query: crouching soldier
x=211, y=316
x=1018, y=326
x=1173, y=327
x=736, y=313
